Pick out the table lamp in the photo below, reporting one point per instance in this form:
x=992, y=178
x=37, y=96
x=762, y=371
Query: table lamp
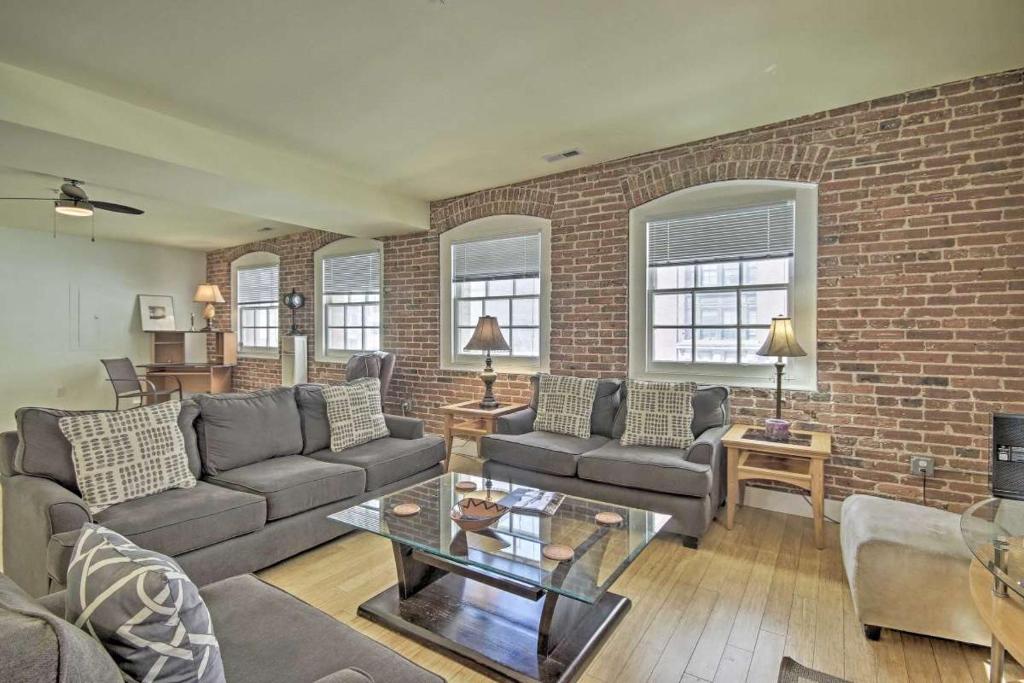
x=487, y=337
x=208, y=294
x=781, y=343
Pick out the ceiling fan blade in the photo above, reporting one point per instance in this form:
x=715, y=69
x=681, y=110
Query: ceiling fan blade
x=31, y=199
x=73, y=191
x=117, y=208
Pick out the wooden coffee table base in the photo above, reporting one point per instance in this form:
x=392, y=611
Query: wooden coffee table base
x=502, y=627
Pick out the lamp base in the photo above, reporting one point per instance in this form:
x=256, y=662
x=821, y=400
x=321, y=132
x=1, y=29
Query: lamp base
x=488, y=402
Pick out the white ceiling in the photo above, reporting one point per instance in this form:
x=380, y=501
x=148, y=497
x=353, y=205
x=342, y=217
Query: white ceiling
x=401, y=101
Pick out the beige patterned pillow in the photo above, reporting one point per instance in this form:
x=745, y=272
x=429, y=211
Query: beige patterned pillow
x=564, y=405
x=127, y=454
x=659, y=414
x=354, y=412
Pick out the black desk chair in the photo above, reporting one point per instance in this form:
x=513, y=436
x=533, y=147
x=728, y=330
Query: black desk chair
x=128, y=383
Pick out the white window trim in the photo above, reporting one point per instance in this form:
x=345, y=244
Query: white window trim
x=253, y=259
x=801, y=373
x=491, y=227
x=342, y=247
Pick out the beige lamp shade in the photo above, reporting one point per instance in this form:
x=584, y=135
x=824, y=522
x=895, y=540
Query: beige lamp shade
x=207, y=293
x=487, y=336
x=781, y=340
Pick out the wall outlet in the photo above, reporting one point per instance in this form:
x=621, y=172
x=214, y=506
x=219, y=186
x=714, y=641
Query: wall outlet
x=922, y=466
x=407, y=406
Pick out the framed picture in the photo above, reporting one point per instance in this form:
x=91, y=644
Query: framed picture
x=156, y=312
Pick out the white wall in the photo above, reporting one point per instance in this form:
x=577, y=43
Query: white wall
x=67, y=302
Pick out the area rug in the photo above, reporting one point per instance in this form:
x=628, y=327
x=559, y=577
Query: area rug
x=792, y=672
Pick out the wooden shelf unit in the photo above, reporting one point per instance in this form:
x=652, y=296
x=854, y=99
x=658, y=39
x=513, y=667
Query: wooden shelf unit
x=182, y=356
x=173, y=347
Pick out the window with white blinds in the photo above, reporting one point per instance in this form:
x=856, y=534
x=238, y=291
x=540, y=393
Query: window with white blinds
x=499, y=277
x=350, y=302
x=256, y=299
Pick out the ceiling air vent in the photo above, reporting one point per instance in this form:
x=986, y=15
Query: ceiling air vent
x=558, y=156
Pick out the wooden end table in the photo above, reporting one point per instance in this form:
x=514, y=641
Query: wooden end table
x=468, y=419
x=799, y=462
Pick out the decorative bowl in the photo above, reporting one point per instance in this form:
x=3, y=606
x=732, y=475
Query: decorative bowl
x=475, y=514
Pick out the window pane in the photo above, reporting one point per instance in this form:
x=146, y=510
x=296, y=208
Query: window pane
x=469, y=312
x=371, y=340
x=766, y=271
x=672, y=345
x=673, y=277
x=500, y=288
x=354, y=316
x=272, y=337
x=526, y=311
x=465, y=334
x=356, y=298
x=759, y=306
x=672, y=309
x=750, y=342
x=716, y=308
x=528, y=285
x=507, y=334
x=248, y=337
x=336, y=339
x=525, y=342
x=476, y=288
x=716, y=346
x=354, y=339
x=499, y=309
x=371, y=316
x=336, y=316
x=373, y=297
x=718, y=274
x=248, y=317
x=261, y=336
x=261, y=317
x=272, y=316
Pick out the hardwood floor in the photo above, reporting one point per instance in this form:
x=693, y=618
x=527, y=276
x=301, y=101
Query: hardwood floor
x=727, y=612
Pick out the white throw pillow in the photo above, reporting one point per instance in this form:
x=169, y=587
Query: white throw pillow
x=354, y=412
x=564, y=405
x=659, y=414
x=127, y=454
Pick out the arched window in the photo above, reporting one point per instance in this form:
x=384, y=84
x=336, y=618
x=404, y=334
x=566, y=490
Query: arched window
x=255, y=309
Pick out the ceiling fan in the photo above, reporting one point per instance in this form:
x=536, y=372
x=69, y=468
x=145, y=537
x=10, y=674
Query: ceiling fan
x=73, y=201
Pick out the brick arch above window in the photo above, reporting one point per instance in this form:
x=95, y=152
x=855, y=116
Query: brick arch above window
x=765, y=161
x=522, y=201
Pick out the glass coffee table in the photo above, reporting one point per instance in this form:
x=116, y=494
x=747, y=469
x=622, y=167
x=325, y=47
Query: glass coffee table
x=492, y=597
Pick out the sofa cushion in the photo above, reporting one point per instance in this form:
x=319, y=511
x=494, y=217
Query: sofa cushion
x=43, y=451
x=127, y=454
x=37, y=645
x=268, y=636
x=355, y=413
x=564, y=405
x=177, y=521
x=710, y=409
x=389, y=459
x=143, y=608
x=539, y=451
x=316, y=430
x=239, y=429
x=662, y=469
x=606, y=404
x=294, y=483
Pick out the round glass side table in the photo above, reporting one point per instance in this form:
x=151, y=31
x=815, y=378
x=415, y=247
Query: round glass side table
x=994, y=532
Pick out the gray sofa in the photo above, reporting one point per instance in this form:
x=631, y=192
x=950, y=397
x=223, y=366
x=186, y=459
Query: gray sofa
x=688, y=485
x=265, y=636
x=267, y=482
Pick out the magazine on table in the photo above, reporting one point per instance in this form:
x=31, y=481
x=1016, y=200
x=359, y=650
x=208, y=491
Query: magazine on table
x=523, y=499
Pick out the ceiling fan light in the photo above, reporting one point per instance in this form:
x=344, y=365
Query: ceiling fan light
x=72, y=207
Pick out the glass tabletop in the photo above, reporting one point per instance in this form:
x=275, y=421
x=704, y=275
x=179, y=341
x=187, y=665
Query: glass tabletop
x=994, y=532
x=513, y=546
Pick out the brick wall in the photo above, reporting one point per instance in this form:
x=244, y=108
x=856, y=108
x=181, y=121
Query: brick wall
x=920, y=279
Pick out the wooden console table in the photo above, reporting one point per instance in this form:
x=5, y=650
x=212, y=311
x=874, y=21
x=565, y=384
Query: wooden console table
x=799, y=462
x=468, y=419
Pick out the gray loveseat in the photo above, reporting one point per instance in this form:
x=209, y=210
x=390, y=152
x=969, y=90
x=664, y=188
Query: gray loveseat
x=267, y=481
x=265, y=636
x=688, y=485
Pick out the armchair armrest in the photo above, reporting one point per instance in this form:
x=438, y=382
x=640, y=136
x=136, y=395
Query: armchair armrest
x=708, y=449
x=404, y=427
x=34, y=510
x=519, y=422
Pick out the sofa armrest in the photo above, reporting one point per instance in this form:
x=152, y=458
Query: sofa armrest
x=404, y=427
x=708, y=449
x=34, y=510
x=58, y=557
x=519, y=422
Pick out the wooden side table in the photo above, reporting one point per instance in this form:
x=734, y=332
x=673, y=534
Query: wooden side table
x=799, y=462
x=470, y=420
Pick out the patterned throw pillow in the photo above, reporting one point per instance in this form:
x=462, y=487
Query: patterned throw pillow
x=659, y=414
x=127, y=454
x=354, y=411
x=564, y=405
x=143, y=608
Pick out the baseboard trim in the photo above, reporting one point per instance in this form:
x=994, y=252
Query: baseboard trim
x=787, y=502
